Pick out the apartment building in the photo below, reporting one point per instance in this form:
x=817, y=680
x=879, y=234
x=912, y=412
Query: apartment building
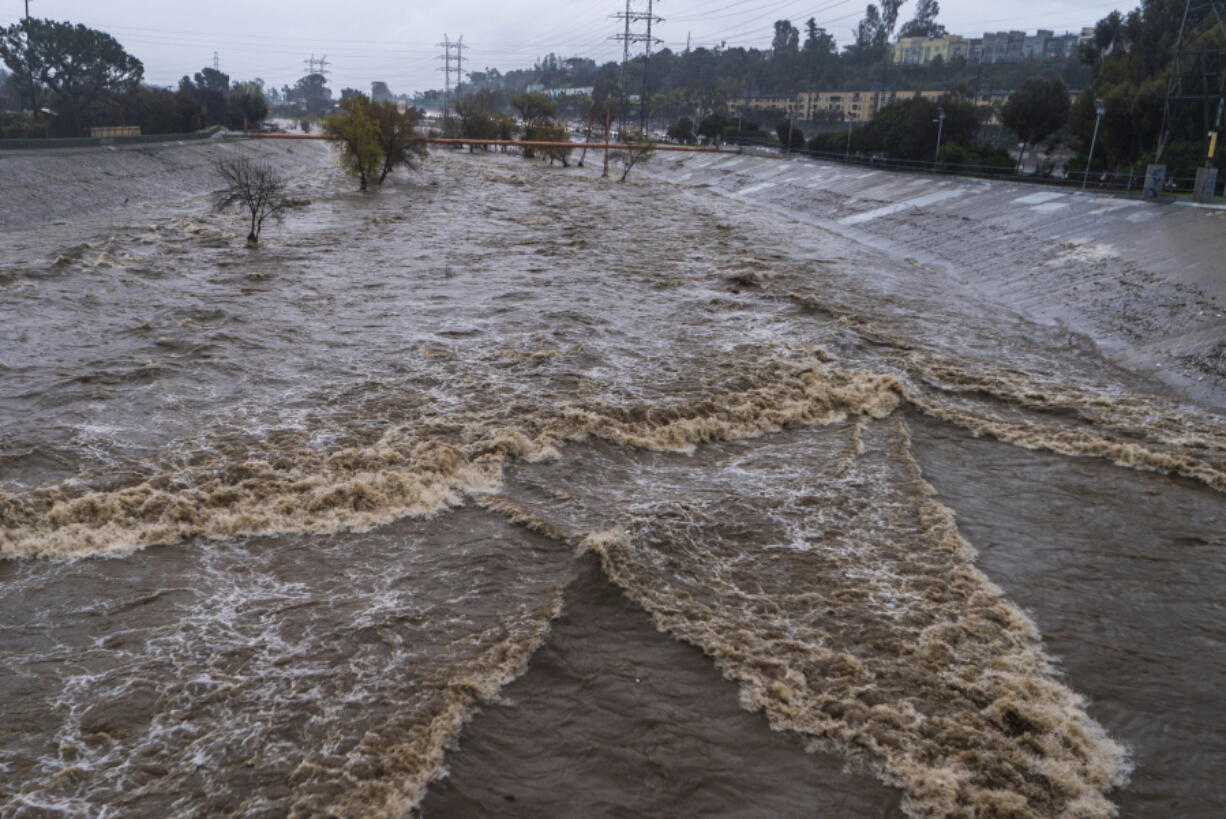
x=923, y=50
x=792, y=105
x=850, y=106
x=991, y=48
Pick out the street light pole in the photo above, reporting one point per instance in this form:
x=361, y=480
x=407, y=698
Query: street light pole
x=940, y=121
x=847, y=153
x=1100, y=108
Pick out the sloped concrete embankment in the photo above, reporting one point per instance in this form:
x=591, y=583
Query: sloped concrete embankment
x=37, y=187
x=1146, y=282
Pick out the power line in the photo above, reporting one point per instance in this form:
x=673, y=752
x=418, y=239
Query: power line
x=629, y=18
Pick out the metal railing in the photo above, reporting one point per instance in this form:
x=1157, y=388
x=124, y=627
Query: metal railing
x=1118, y=182
x=95, y=142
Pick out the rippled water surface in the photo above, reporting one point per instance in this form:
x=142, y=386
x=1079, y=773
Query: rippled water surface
x=510, y=491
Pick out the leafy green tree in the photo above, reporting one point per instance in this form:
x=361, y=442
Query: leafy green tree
x=313, y=92
x=1131, y=57
x=870, y=37
x=682, y=131
x=78, y=65
x=924, y=23
x=1036, y=110
x=713, y=126
x=10, y=93
x=819, y=53
x=790, y=136
x=906, y=129
x=211, y=88
x=549, y=131
x=346, y=93
x=476, y=125
x=534, y=108
x=396, y=132
x=155, y=110
x=355, y=135
x=248, y=105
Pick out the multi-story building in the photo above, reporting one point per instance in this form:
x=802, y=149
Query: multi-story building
x=791, y=105
x=992, y=47
x=923, y=50
x=1002, y=47
x=850, y=106
x=379, y=92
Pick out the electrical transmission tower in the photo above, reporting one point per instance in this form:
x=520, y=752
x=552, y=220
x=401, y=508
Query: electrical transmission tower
x=630, y=18
x=216, y=63
x=448, y=48
x=319, y=66
x=1198, y=75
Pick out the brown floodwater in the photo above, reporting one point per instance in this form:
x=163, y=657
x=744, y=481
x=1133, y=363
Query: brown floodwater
x=508, y=491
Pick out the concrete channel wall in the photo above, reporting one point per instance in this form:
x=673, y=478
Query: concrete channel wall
x=46, y=185
x=1145, y=281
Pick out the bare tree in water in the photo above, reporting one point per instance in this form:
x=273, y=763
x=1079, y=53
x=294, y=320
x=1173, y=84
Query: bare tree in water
x=639, y=150
x=254, y=186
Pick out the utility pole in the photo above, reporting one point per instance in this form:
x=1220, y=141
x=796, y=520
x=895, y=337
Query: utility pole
x=940, y=121
x=27, y=9
x=1100, y=108
x=649, y=41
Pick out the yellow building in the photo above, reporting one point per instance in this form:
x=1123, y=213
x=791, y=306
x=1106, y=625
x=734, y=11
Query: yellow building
x=851, y=106
x=848, y=106
x=922, y=50
x=789, y=104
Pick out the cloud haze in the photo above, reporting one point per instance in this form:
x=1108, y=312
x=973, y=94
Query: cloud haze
x=367, y=40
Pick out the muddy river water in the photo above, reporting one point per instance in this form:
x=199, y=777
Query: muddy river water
x=509, y=491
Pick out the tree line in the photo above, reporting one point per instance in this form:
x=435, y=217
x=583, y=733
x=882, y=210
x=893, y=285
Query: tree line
x=63, y=79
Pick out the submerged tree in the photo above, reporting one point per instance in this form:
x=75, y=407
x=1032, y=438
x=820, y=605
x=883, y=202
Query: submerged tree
x=355, y=135
x=397, y=135
x=639, y=150
x=535, y=110
x=254, y=186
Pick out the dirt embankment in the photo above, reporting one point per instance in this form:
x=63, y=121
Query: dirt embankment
x=37, y=187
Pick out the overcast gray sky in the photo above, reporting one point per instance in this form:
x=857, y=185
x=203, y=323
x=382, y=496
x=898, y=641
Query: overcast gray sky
x=395, y=41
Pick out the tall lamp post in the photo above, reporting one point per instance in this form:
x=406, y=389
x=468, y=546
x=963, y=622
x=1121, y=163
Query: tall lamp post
x=1100, y=108
x=847, y=153
x=940, y=121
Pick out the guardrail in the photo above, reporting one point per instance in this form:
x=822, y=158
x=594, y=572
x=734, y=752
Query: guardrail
x=96, y=142
x=522, y=143
x=1121, y=182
